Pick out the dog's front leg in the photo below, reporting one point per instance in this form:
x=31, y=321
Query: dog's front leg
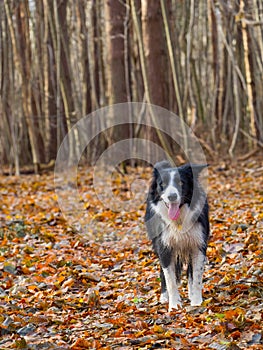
x=172, y=289
x=164, y=294
x=195, y=276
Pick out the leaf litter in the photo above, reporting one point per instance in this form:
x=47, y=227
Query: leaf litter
x=63, y=288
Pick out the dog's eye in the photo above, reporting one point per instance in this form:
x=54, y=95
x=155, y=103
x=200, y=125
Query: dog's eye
x=162, y=185
x=179, y=183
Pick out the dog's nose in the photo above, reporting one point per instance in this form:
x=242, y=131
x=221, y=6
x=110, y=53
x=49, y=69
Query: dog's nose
x=172, y=197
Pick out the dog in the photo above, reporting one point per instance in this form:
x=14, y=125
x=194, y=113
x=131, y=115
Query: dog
x=177, y=222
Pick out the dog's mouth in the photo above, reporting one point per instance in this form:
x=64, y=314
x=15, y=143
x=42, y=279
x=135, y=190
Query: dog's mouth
x=173, y=210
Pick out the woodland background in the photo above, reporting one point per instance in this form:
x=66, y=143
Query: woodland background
x=62, y=59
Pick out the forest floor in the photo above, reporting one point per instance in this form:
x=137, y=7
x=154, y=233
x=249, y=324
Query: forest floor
x=64, y=289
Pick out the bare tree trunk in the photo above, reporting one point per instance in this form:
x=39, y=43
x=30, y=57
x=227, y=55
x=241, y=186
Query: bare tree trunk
x=63, y=63
x=256, y=34
x=86, y=95
x=250, y=106
x=217, y=68
x=139, y=37
x=10, y=115
x=174, y=74
x=172, y=60
x=155, y=52
x=91, y=54
x=115, y=67
x=22, y=64
x=47, y=138
x=189, y=40
x=114, y=24
x=237, y=113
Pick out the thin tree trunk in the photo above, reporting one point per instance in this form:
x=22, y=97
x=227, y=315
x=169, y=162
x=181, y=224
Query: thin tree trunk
x=93, y=66
x=250, y=106
x=61, y=42
x=47, y=137
x=144, y=75
x=83, y=48
x=155, y=52
x=20, y=65
x=174, y=75
x=189, y=41
x=114, y=25
x=115, y=66
x=237, y=114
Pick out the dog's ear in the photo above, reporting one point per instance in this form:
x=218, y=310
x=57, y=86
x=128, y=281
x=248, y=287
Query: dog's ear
x=197, y=168
x=194, y=169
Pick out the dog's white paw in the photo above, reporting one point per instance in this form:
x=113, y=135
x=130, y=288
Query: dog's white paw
x=175, y=305
x=196, y=301
x=164, y=298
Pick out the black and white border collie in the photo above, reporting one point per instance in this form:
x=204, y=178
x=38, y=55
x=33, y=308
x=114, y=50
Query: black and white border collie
x=177, y=223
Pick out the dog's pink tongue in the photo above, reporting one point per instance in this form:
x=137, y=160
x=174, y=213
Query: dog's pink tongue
x=173, y=211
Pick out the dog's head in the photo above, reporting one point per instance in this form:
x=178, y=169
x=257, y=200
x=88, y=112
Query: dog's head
x=175, y=186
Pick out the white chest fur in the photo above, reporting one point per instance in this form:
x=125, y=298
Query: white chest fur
x=183, y=234
x=182, y=238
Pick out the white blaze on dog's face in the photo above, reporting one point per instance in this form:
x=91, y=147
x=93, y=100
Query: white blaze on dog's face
x=169, y=187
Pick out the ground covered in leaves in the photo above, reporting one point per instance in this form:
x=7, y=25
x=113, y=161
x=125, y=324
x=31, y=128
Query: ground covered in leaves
x=61, y=288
